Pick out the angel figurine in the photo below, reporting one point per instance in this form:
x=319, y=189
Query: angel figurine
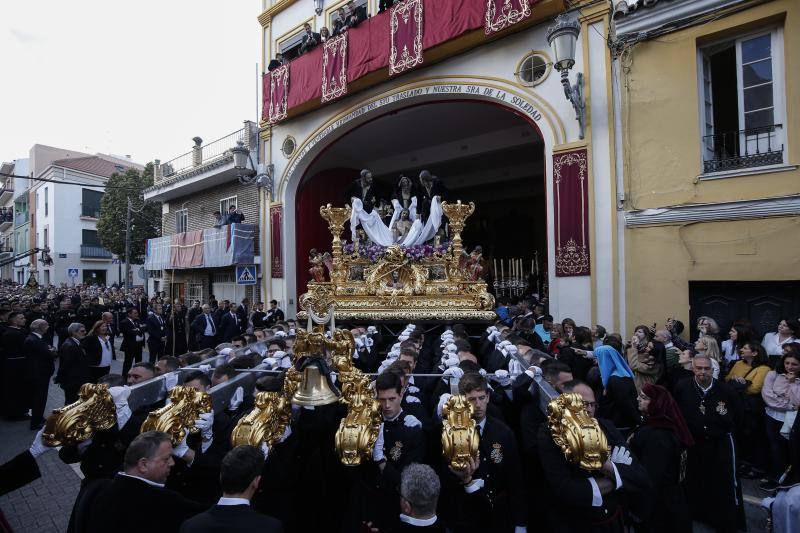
x=317, y=269
x=402, y=226
x=472, y=267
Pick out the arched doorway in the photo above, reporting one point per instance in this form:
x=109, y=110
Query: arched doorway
x=482, y=151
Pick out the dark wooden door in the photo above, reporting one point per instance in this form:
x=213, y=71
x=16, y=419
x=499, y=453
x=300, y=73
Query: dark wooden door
x=764, y=303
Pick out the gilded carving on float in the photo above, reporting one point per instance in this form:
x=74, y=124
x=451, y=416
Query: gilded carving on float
x=266, y=422
x=459, y=434
x=177, y=418
x=577, y=434
x=76, y=422
x=358, y=431
x=399, y=286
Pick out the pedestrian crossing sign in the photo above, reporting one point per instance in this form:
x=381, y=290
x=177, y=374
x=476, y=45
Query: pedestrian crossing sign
x=246, y=275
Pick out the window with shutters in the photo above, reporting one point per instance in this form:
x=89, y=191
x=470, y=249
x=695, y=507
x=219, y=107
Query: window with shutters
x=742, y=102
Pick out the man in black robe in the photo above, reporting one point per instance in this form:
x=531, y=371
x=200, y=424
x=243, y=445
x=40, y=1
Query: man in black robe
x=712, y=411
x=582, y=500
x=429, y=186
x=365, y=189
x=12, y=362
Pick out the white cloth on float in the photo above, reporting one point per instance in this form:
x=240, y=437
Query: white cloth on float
x=377, y=231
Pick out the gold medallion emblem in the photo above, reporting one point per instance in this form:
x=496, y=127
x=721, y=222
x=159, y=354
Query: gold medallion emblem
x=722, y=409
x=396, y=451
x=497, y=453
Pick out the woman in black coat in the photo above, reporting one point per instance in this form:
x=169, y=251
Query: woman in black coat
x=660, y=443
x=98, y=347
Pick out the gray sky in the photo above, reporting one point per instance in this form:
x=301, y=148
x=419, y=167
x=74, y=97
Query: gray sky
x=138, y=77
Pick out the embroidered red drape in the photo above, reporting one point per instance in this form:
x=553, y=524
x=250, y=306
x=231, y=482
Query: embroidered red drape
x=500, y=14
x=278, y=94
x=186, y=249
x=276, y=249
x=334, y=68
x=571, y=213
x=406, y=31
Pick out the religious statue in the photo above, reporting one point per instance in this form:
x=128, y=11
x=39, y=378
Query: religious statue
x=401, y=227
x=361, y=239
x=429, y=187
x=471, y=264
x=365, y=190
x=404, y=192
x=317, y=269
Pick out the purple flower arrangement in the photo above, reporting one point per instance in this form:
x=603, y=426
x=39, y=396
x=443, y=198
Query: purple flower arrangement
x=374, y=252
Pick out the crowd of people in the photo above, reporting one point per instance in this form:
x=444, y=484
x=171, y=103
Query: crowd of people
x=684, y=421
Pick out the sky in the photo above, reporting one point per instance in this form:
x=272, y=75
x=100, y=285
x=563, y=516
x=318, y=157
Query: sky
x=138, y=78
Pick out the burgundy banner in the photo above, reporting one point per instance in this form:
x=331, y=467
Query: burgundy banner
x=278, y=93
x=571, y=213
x=276, y=250
x=500, y=14
x=334, y=68
x=406, y=30
x=186, y=249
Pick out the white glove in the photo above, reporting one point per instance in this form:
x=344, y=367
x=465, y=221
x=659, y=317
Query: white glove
x=494, y=336
x=170, y=380
x=236, y=399
x=286, y=362
x=286, y=433
x=502, y=377
x=355, y=354
x=442, y=400
x=120, y=397
x=181, y=449
x=360, y=341
x=402, y=338
x=292, y=332
x=265, y=450
x=411, y=421
x=372, y=330
x=205, y=424
x=280, y=354
x=384, y=365
x=377, y=451
x=272, y=362
x=491, y=329
x=451, y=362
x=368, y=342
x=510, y=350
x=621, y=455
x=514, y=368
x=280, y=333
x=205, y=368
x=451, y=348
x=411, y=327
x=412, y=399
x=453, y=372
x=38, y=446
x=482, y=372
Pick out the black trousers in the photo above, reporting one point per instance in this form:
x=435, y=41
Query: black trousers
x=132, y=355
x=206, y=342
x=778, y=448
x=15, y=403
x=97, y=372
x=71, y=393
x=155, y=350
x=38, y=387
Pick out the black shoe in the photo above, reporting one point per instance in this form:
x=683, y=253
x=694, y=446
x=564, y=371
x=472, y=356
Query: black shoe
x=768, y=486
x=37, y=426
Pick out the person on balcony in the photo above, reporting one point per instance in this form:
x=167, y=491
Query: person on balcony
x=340, y=24
x=324, y=34
x=275, y=63
x=234, y=216
x=310, y=39
x=220, y=219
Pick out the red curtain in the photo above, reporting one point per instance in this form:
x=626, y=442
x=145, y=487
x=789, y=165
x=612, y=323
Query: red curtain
x=312, y=231
x=186, y=249
x=406, y=32
x=571, y=213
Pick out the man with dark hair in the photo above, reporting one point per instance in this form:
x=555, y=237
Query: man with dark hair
x=419, y=494
x=240, y=476
x=238, y=341
x=400, y=443
x=157, y=334
x=39, y=367
x=167, y=364
x=147, y=464
x=490, y=489
x=13, y=392
x=204, y=328
x=132, y=339
x=230, y=325
x=258, y=317
x=197, y=379
x=274, y=315
x=235, y=216
x=73, y=366
x=222, y=373
x=243, y=312
x=140, y=372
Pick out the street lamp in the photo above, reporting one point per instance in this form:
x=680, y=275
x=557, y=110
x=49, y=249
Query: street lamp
x=318, y=4
x=260, y=174
x=563, y=38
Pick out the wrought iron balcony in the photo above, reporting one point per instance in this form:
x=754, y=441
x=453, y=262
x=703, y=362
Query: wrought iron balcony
x=89, y=251
x=755, y=147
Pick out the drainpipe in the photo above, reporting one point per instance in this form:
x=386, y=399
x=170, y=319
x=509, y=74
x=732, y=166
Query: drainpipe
x=619, y=164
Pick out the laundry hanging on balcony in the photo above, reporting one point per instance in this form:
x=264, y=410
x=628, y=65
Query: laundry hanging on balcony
x=186, y=250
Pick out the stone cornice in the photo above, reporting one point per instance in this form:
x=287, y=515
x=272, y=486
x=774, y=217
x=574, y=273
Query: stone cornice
x=266, y=17
x=780, y=206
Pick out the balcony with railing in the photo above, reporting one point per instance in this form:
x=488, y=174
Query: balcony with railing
x=736, y=150
x=6, y=218
x=91, y=251
x=233, y=244
x=6, y=251
x=6, y=189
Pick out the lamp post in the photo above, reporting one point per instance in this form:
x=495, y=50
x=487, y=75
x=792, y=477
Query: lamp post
x=563, y=38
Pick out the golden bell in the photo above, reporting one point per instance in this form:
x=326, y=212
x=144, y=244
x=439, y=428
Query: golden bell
x=314, y=389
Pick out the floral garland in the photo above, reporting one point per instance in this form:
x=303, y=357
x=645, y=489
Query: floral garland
x=374, y=252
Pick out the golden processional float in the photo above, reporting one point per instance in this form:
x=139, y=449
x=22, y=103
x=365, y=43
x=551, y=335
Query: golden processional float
x=397, y=285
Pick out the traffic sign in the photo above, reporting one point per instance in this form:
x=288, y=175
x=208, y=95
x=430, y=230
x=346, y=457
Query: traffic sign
x=72, y=272
x=246, y=275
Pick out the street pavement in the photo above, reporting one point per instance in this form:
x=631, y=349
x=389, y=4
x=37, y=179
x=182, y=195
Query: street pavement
x=44, y=506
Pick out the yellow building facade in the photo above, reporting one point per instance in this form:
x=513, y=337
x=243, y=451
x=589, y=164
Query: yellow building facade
x=707, y=96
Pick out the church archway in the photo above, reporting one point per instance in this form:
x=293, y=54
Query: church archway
x=482, y=151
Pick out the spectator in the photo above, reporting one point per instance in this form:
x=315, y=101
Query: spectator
x=234, y=216
x=275, y=63
x=788, y=331
x=219, y=219
x=324, y=34
x=310, y=39
x=707, y=345
x=781, y=393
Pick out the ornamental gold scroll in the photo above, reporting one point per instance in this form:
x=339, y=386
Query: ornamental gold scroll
x=459, y=434
x=76, y=422
x=177, y=419
x=577, y=434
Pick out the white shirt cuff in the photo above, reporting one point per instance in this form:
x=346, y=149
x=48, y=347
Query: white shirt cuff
x=531, y=374
x=474, y=486
x=597, y=498
x=616, y=477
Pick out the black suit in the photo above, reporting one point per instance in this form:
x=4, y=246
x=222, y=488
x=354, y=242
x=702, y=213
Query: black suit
x=40, y=365
x=273, y=316
x=18, y=472
x=157, y=329
x=73, y=369
x=230, y=326
x=244, y=315
x=309, y=42
x=131, y=329
x=403, y=527
x=93, y=346
x=231, y=519
x=198, y=331
x=156, y=509
x=273, y=64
